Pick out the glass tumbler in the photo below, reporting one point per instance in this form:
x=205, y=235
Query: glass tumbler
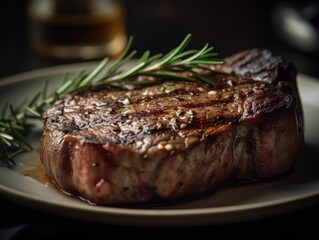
x=77, y=29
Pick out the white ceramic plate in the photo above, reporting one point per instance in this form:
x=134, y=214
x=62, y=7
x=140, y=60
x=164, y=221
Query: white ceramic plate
x=296, y=190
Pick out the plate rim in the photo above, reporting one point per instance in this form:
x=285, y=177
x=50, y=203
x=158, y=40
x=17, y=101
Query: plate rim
x=44, y=72
x=208, y=211
x=162, y=217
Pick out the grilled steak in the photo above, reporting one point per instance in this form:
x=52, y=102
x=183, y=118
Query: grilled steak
x=172, y=141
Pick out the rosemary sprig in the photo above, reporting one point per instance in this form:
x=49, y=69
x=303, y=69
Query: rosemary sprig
x=177, y=65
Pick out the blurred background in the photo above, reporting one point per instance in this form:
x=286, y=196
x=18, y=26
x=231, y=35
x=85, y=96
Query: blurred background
x=40, y=33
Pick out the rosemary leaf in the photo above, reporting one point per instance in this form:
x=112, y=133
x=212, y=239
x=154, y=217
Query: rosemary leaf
x=94, y=73
x=6, y=141
x=45, y=89
x=21, y=138
x=34, y=99
x=127, y=73
x=6, y=136
x=176, y=51
x=196, y=55
x=33, y=112
x=170, y=75
x=13, y=114
x=14, y=154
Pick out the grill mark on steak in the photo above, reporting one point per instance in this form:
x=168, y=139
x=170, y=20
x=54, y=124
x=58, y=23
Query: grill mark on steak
x=252, y=105
x=146, y=144
x=113, y=116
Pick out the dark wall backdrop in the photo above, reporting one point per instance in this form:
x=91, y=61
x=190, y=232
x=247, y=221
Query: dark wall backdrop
x=158, y=25
x=228, y=25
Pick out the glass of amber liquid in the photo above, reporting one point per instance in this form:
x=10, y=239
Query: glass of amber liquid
x=77, y=29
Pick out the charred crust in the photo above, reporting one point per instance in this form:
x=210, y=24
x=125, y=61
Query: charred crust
x=130, y=142
x=260, y=65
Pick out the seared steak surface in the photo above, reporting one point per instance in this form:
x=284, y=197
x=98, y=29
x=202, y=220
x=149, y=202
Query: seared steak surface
x=174, y=140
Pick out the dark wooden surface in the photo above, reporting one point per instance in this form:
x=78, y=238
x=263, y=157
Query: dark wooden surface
x=158, y=26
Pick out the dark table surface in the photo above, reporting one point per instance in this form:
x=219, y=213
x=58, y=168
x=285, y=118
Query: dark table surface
x=26, y=223
x=242, y=26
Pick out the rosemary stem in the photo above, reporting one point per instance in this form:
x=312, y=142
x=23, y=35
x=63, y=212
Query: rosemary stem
x=14, y=122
